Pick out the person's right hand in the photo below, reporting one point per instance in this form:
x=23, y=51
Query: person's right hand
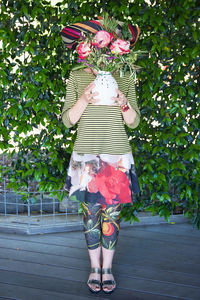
x=88, y=95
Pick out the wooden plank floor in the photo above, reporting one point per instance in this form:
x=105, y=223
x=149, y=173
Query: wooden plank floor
x=153, y=262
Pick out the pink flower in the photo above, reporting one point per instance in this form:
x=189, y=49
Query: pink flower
x=83, y=50
x=102, y=38
x=120, y=47
x=164, y=68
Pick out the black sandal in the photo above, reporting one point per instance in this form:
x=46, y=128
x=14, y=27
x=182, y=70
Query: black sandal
x=108, y=282
x=94, y=281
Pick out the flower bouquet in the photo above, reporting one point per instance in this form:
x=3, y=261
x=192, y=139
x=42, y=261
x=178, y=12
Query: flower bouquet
x=107, y=52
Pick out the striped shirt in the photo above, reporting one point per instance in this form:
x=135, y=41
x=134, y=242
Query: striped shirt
x=101, y=128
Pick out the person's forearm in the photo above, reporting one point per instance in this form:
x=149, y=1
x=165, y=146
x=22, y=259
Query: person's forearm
x=87, y=97
x=129, y=115
x=77, y=110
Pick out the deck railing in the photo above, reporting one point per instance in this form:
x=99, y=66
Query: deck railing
x=43, y=213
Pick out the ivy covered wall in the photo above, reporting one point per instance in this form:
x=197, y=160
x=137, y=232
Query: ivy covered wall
x=34, y=67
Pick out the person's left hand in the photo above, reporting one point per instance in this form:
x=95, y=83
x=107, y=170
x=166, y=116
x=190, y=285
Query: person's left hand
x=120, y=99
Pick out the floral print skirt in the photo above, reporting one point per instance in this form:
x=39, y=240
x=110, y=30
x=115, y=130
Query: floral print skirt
x=103, y=179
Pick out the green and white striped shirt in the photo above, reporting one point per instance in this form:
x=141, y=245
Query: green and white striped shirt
x=101, y=128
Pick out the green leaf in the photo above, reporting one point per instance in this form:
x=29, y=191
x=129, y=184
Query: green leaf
x=90, y=223
x=35, y=67
x=104, y=244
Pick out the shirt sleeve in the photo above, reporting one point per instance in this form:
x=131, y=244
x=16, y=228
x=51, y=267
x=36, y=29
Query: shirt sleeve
x=132, y=99
x=70, y=99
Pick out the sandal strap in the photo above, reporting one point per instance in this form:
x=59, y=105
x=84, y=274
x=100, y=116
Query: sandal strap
x=94, y=281
x=108, y=282
x=95, y=270
x=107, y=271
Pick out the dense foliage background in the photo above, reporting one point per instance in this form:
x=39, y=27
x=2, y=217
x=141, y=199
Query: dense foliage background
x=34, y=67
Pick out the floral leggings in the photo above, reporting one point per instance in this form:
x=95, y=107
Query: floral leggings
x=101, y=225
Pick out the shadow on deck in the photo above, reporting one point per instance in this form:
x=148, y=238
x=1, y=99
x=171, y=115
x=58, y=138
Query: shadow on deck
x=152, y=262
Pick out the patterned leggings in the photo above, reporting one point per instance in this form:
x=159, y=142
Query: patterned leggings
x=101, y=225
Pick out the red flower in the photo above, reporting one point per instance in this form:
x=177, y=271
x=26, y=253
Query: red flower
x=83, y=50
x=103, y=206
x=120, y=47
x=92, y=188
x=113, y=183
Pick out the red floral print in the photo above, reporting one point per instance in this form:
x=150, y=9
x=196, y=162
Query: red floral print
x=103, y=207
x=104, y=179
x=112, y=184
x=107, y=228
x=92, y=188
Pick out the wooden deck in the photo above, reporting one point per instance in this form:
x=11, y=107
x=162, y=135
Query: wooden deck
x=153, y=262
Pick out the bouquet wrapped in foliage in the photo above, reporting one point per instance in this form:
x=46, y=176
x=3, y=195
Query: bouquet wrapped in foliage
x=109, y=50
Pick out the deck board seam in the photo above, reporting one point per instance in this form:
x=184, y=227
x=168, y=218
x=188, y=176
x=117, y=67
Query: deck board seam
x=136, y=290
x=85, y=248
x=39, y=289
x=138, y=266
x=132, y=277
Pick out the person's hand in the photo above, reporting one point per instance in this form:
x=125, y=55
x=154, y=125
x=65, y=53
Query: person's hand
x=88, y=95
x=120, y=99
